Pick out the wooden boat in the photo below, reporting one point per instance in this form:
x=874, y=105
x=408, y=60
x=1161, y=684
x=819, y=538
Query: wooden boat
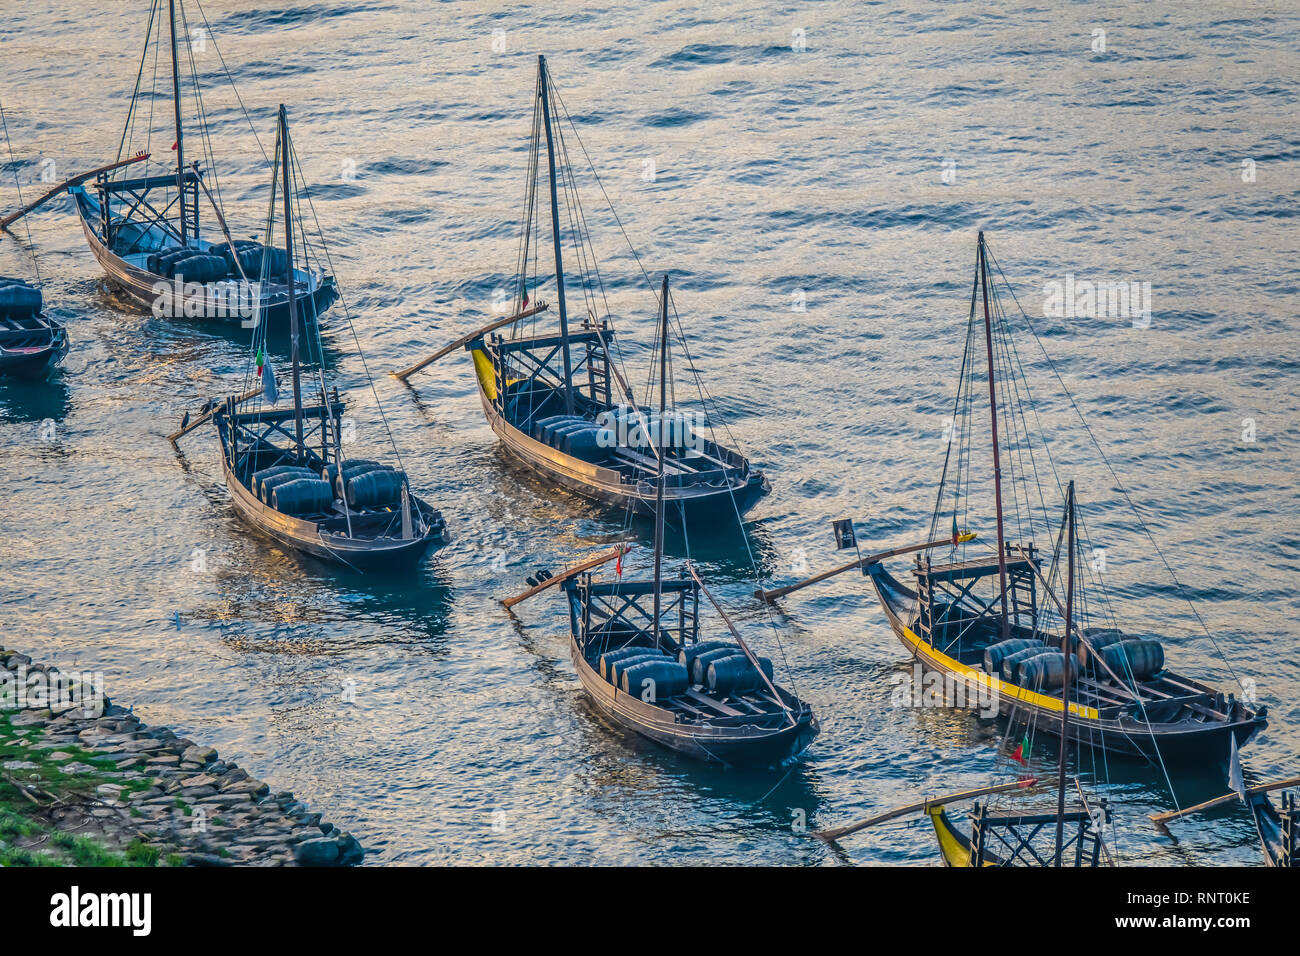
x=988, y=845
x=956, y=610
x=1165, y=715
x=558, y=402
x=1021, y=836
x=285, y=468
x=757, y=727
x=31, y=342
x=145, y=232
x=646, y=670
x=1278, y=831
x=357, y=536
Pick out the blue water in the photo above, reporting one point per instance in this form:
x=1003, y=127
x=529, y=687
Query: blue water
x=778, y=172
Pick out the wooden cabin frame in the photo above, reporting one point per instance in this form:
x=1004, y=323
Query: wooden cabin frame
x=136, y=192
x=1008, y=839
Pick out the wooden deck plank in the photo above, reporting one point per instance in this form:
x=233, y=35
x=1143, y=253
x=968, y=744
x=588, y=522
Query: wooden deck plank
x=707, y=701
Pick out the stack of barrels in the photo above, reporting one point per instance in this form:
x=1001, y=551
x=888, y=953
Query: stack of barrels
x=19, y=299
x=1040, y=665
x=252, y=256
x=724, y=668
x=292, y=490
x=188, y=264
x=644, y=672
x=365, y=484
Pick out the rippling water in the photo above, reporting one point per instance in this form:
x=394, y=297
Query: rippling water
x=778, y=172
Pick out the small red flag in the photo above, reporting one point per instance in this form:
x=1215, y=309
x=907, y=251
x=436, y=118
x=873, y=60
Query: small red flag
x=175, y=144
x=618, y=563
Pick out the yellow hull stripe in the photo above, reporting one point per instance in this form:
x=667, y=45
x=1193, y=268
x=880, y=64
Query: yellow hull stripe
x=994, y=684
x=486, y=374
x=955, y=851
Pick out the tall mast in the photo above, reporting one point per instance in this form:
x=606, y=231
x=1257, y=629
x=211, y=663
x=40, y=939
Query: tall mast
x=997, y=458
x=659, y=446
x=1065, y=688
x=288, y=278
x=545, y=93
x=180, y=132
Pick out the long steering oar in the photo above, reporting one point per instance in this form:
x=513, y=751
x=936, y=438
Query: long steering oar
x=1226, y=798
x=67, y=184
x=464, y=340
x=188, y=426
x=587, y=565
x=862, y=562
x=921, y=806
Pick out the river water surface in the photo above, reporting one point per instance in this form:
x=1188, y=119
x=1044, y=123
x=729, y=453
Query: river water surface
x=814, y=175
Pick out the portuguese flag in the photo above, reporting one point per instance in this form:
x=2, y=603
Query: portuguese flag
x=1022, y=752
x=260, y=359
x=955, y=535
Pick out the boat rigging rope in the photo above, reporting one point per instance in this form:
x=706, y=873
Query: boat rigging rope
x=144, y=53
x=260, y=323
x=1018, y=442
x=1119, y=484
x=31, y=251
x=201, y=111
x=1084, y=541
x=530, y=206
x=305, y=194
x=583, y=235
x=958, y=410
x=212, y=35
x=595, y=295
x=204, y=135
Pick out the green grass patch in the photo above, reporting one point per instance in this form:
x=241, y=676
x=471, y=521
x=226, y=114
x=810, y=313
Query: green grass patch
x=28, y=840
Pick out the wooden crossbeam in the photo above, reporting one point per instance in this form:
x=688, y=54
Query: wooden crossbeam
x=464, y=340
x=576, y=569
x=862, y=562
x=835, y=833
x=1226, y=798
x=67, y=184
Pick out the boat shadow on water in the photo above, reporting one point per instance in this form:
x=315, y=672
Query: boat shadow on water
x=724, y=549
x=276, y=337
x=47, y=399
x=293, y=590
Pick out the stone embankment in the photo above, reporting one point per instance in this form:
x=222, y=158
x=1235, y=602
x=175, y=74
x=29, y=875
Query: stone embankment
x=76, y=776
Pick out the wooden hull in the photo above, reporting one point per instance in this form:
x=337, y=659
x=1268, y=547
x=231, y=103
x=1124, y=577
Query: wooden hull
x=689, y=505
x=307, y=537
x=35, y=359
x=1178, y=742
x=954, y=846
x=1268, y=827
x=733, y=746
x=138, y=284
